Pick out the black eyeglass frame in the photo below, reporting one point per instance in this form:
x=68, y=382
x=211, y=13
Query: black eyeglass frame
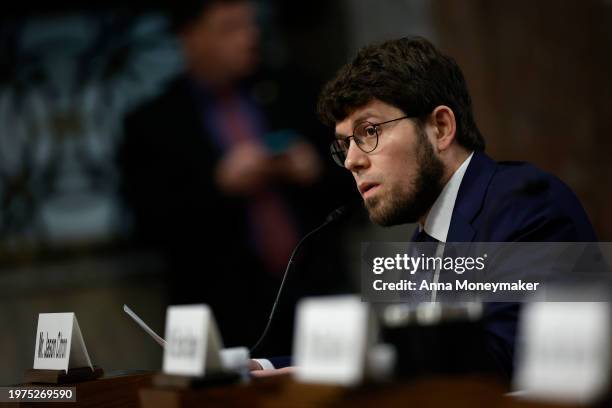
x=339, y=147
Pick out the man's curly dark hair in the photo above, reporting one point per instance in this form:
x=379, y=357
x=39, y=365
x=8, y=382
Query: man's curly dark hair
x=408, y=73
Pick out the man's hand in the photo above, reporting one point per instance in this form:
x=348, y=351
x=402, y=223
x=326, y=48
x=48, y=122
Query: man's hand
x=248, y=167
x=273, y=373
x=258, y=371
x=244, y=170
x=302, y=164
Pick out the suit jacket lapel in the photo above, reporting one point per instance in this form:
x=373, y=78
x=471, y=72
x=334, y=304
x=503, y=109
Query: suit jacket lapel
x=471, y=197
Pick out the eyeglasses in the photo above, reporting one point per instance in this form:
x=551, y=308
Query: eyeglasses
x=365, y=136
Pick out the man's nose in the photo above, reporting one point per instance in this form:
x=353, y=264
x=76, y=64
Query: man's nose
x=356, y=159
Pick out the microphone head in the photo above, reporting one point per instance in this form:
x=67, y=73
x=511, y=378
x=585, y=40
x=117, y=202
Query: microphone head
x=336, y=214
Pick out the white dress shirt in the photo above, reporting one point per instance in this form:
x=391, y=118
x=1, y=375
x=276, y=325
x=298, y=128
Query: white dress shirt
x=438, y=220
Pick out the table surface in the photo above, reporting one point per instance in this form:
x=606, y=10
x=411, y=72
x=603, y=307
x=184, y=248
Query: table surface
x=118, y=389
x=466, y=392
x=137, y=390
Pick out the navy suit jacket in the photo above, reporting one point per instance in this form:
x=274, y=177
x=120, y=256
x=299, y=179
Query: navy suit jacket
x=513, y=202
x=510, y=202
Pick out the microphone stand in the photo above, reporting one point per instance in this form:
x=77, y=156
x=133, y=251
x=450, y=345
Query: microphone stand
x=333, y=216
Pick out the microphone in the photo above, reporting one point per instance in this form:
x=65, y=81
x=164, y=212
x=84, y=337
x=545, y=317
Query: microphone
x=332, y=217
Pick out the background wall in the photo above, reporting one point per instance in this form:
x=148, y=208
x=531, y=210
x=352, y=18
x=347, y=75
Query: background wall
x=539, y=74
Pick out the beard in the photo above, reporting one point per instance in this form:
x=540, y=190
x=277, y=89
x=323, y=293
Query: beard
x=401, y=207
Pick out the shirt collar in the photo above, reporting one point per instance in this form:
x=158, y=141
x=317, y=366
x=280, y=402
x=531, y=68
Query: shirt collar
x=438, y=220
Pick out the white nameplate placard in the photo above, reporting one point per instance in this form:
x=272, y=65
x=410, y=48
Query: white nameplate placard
x=59, y=343
x=333, y=335
x=192, y=341
x=565, y=354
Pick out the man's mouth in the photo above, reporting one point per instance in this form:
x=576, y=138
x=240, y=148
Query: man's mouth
x=367, y=188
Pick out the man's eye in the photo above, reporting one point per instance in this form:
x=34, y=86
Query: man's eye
x=370, y=131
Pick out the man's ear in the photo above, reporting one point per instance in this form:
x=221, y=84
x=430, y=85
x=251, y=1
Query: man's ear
x=443, y=120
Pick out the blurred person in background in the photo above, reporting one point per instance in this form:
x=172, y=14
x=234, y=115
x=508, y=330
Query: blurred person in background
x=217, y=173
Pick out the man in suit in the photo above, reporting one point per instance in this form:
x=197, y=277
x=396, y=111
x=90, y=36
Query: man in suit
x=405, y=130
